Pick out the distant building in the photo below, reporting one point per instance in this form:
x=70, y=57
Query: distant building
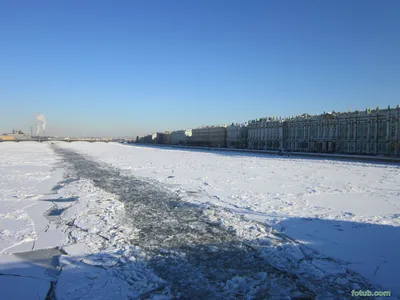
x=147, y=139
x=209, y=136
x=17, y=135
x=374, y=132
x=6, y=137
x=181, y=137
x=236, y=136
x=265, y=133
x=371, y=132
x=154, y=138
x=163, y=138
x=157, y=138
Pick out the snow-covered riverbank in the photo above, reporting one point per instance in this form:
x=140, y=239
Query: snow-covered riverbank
x=28, y=172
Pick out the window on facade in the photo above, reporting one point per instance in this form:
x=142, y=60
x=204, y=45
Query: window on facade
x=363, y=131
x=393, y=129
x=381, y=130
x=384, y=129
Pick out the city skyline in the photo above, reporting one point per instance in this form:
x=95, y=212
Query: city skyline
x=38, y=126
x=127, y=69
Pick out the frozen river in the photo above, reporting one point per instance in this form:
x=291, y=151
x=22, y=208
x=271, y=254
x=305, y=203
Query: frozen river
x=140, y=222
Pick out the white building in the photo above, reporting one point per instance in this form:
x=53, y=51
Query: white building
x=211, y=136
x=236, y=136
x=181, y=137
x=265, y=133
x=370, y=132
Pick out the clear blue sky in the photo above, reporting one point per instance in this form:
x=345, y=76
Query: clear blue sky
x=132, y=67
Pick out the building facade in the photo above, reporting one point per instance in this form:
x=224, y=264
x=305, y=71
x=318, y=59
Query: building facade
x=6, y=137
x=181, y=137
x=209, y=136
x=371, y=132
x=265, y=134
x=236, y=136
x=147, y=139
x=161, y=138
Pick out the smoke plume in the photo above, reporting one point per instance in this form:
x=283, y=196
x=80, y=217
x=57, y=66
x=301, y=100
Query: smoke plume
x=41, y=124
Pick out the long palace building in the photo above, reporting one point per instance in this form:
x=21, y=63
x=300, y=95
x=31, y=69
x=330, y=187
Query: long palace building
x=371, y=132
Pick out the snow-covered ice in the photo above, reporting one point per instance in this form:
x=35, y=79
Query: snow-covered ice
x=349, y=211
x=316, y=219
